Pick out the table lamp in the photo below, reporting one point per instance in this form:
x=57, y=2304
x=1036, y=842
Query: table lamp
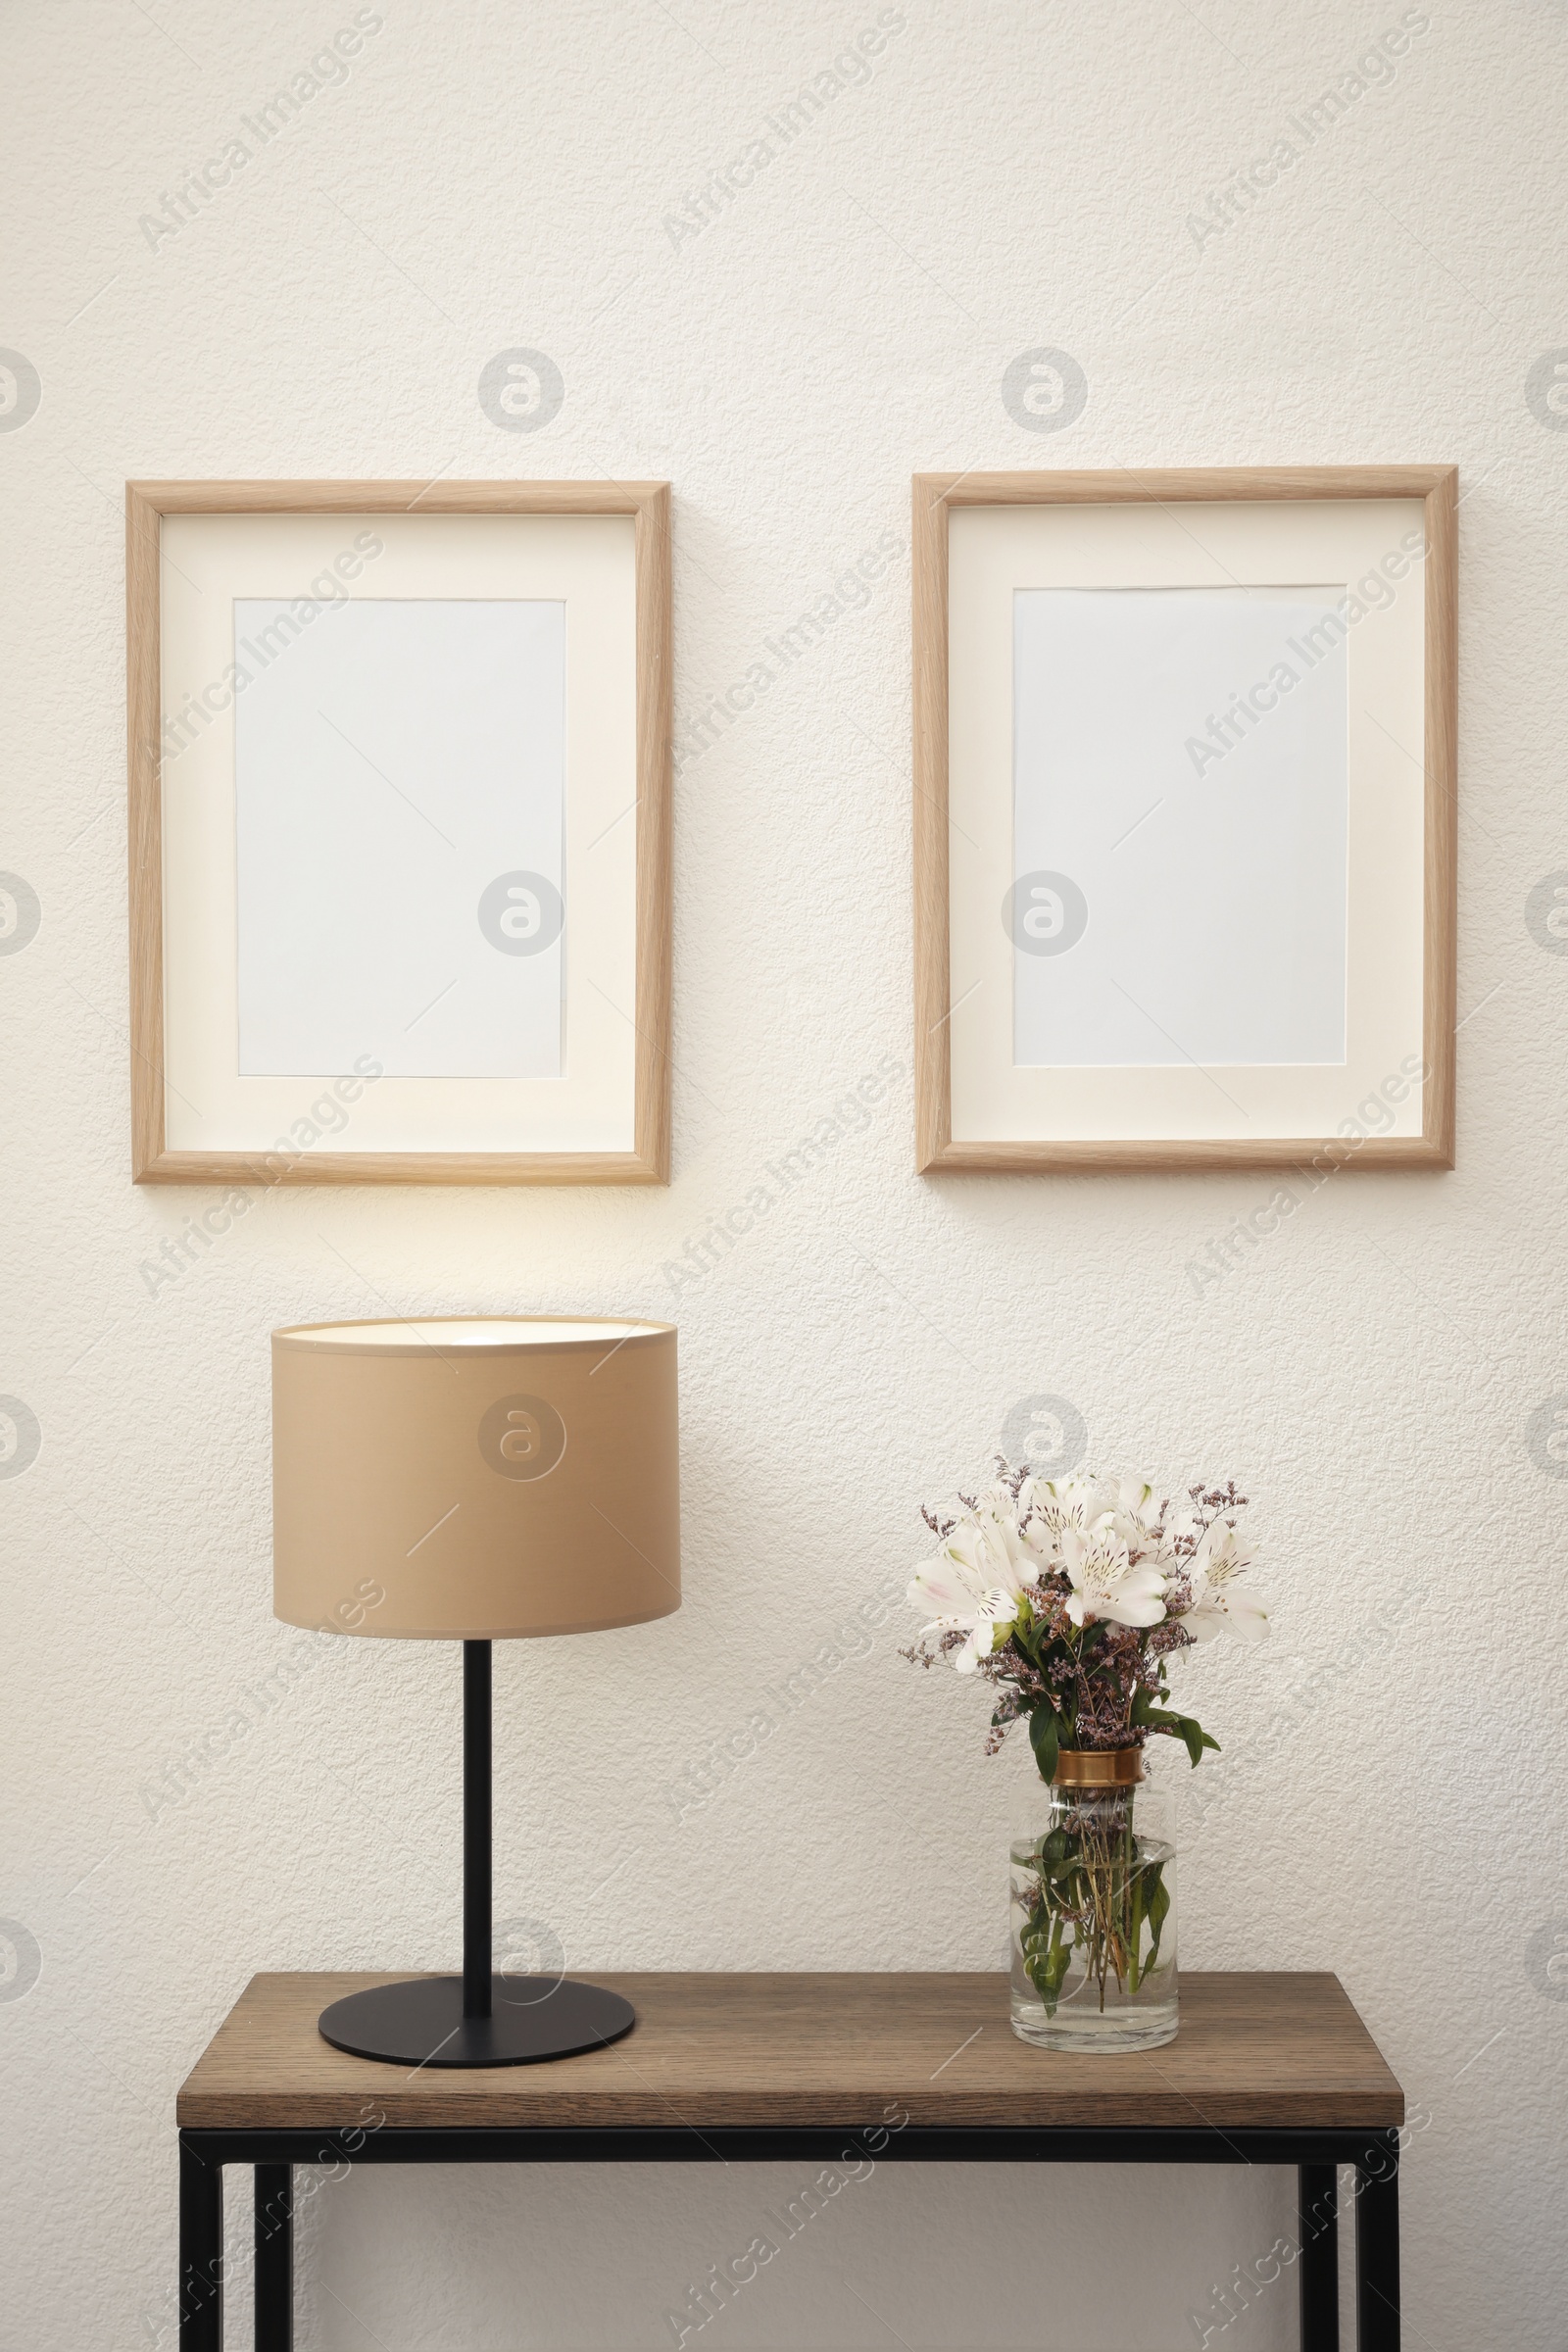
x=474, y=1478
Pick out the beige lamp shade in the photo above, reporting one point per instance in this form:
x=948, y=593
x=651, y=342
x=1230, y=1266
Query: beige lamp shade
x=474, y=1478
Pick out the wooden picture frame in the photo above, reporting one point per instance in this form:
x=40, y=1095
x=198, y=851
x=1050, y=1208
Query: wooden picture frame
x=1278, y=494
x=643, y=1157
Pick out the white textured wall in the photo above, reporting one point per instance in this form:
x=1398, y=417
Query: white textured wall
x=1006, y=177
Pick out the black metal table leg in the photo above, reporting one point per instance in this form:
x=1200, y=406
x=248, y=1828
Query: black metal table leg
x=201, y=2252
x=272, y=2151
x=1318, y=2263
x=274, y=2258
x=1377, y=2246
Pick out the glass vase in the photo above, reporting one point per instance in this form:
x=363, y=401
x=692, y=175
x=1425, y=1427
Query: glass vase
x=1094, y=1911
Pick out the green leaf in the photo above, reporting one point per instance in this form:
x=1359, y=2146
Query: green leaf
x=1043, y=1739
x=1196, y=1738
x=1191, y=1737
x=1046, y=1970
x=1158, y=1897
x=1135, y=1926
x=1185, y=1728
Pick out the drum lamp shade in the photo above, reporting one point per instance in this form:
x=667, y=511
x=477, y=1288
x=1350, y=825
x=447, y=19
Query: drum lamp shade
x=474, y=1478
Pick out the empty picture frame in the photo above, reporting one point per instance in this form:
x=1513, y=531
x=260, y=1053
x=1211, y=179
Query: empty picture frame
x=400, y=832
x=1184, y=818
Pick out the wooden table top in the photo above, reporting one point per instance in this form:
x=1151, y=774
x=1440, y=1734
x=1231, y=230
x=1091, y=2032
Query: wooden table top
x=1269, y=2051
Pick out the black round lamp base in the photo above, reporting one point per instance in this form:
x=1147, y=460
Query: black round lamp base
x=422, y=2023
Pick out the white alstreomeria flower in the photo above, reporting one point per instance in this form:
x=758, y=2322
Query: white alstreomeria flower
x=973, y=1587
x=1049, y=1507
x=1217, y=1606
x=1132, y=1502
x=1106, y=1580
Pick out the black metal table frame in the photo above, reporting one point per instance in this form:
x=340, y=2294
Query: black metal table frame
x=1316, y=2154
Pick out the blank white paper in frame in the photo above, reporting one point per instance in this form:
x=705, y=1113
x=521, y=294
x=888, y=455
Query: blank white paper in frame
x=448, y=739
x=398, y=777
x=1179, y=821
x=1185, y=817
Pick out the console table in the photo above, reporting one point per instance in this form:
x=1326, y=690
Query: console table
x=1267, y=2069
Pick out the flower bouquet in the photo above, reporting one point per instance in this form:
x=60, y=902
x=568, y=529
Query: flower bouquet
x=1070, y=1596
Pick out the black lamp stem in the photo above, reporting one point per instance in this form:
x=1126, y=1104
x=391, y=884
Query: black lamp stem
x=419, y=2024
x=476, y=1828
